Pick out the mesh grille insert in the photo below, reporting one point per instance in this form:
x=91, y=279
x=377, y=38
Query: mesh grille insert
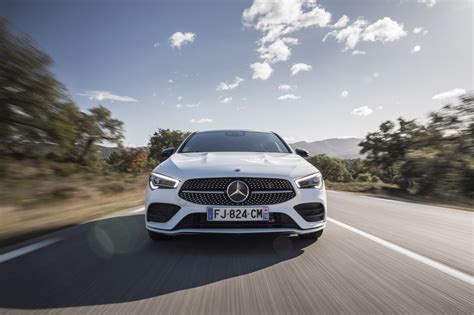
x=212, y=191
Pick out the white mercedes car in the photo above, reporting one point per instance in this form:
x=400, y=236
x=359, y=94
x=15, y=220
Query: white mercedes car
x=235, y=181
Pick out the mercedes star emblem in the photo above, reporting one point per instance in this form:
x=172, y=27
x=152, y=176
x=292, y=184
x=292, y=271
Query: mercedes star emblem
x=238, y=191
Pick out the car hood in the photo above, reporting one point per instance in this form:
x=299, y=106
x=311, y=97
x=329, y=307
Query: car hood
x=226, y=164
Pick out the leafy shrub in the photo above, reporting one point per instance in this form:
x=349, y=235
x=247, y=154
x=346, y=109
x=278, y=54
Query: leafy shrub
x=332, y=169
x=364, y=177
x=130, y=160
x=375, y=179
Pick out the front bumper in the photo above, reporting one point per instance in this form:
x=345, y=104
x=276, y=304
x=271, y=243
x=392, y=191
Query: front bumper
x=237, y=231
x=171, y=227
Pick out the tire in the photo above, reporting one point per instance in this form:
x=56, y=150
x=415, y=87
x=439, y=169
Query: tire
x=312, y=236
x=158, y=236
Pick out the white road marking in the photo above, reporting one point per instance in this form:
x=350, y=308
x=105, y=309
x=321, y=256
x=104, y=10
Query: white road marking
x=30, y=248
x=138, y=210
x=420, y=258
x=27, y=249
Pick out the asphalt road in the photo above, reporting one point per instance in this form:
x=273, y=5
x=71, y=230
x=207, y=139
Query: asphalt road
x=376, y=256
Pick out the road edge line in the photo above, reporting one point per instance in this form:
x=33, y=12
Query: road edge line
x=27, y=249
x=465, y=277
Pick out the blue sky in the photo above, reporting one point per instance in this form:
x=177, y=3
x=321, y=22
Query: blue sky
x=119, y=54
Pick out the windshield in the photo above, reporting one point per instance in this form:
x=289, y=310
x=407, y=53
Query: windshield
x=234, y=141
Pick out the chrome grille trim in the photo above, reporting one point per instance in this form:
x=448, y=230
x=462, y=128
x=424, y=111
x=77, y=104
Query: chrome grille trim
x=202, y=192
x=272, y=191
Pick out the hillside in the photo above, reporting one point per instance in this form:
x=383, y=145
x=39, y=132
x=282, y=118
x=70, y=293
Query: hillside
x=343, y=148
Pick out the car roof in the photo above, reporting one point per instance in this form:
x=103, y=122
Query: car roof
x=232, y=130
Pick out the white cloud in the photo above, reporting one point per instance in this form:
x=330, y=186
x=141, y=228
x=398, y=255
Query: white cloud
x=226, y=100
x=180, y=98
x=156, y=45
x=201, y=120
x=298, y=67
x=284, y=87
x=290, y=40
x=342, y=22
x=344, y=94
x=350, y=35
x=449, y=94
x=224, y=86
x=415, y=49
x=277, y=18
x=383, y=30
x=261, y=71
x=428, y=3
x=179, y=39
x=187, y=105
x=420, y=30
x=358, y=52
x=379, y=108
x=376, y=75
x=362, y=111
x=106, y=95
x=278, y=50
x=289, y=97
x=170, y=81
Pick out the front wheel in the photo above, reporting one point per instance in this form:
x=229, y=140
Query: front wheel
x=312, y=236
x=158, y=236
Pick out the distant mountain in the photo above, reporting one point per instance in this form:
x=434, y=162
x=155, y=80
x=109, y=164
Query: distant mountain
x=342, y=148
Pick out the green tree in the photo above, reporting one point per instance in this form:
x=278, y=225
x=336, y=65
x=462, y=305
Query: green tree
x=97, y=127
x=332, y=169
x=165, y=138
x=37, y=118
x=387, y=147
x=441, y=158
x=32, y=102
x=435, y=158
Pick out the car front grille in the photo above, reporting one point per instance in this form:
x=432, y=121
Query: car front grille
x=212, y=191
x=199, y=220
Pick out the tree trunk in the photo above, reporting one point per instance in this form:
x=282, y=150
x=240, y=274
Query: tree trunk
x=86, y=150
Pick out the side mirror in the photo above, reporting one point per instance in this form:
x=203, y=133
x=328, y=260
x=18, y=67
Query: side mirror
x=302, y=152
x=166, y=153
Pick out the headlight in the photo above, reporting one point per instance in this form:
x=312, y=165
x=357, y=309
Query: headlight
x=161, y=181
x=310, y=181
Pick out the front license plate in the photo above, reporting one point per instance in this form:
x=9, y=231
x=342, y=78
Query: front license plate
x=238, y=214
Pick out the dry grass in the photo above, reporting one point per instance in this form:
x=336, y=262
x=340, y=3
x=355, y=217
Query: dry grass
x=361, y=187
x=35, y=199
x=391, y=191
